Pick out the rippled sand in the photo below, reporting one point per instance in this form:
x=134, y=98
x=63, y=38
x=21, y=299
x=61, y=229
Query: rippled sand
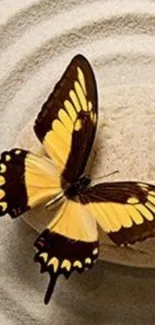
x=37, y=41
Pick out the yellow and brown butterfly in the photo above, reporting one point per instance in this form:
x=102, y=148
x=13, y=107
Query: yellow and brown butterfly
x=66, y=126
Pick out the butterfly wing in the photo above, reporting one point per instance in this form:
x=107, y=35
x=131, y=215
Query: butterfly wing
x=125, y=210
x=69, y=243
x=25, y=181
x=67, y=122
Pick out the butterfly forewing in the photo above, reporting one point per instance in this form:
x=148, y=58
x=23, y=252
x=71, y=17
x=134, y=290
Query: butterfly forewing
x=125, y=210
x=67, y=122
x=25, y=181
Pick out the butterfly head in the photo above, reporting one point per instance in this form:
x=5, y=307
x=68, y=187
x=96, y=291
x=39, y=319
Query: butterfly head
x=75, y=188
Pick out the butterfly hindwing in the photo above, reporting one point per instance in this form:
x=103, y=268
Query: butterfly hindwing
x=25, y=180
x=67, y=122
x=125, y=210
x=69, y=243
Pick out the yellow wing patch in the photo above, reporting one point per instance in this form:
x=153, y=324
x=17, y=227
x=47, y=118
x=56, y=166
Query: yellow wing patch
x=82, y=80
x=2, y=168
x=3, y=205
x=73, y=221
x=41, y=179
x=53, y=262
x=112, y=216
x=66, y=264
x=2, y=180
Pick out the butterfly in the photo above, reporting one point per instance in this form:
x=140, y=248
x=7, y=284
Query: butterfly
x=66, y=126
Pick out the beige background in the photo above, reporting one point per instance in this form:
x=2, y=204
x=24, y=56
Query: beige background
x=38, y=39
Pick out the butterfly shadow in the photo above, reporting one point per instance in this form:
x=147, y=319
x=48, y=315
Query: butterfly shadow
x=109, y=294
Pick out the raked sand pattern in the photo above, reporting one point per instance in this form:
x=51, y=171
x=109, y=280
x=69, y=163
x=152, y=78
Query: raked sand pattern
x=37, y=41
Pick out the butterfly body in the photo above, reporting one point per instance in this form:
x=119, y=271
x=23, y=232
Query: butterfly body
x=70, y=191
x=66, y=126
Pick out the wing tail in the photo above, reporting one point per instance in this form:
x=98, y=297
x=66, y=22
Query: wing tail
x=50, y=288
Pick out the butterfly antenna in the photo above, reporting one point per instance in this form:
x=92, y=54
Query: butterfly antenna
x=50, y=289
x=91, y=162
x=106, y=175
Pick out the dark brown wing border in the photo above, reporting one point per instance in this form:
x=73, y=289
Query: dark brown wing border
x=13, y=195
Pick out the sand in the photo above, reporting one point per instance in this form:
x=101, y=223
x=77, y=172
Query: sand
x=38, y=39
